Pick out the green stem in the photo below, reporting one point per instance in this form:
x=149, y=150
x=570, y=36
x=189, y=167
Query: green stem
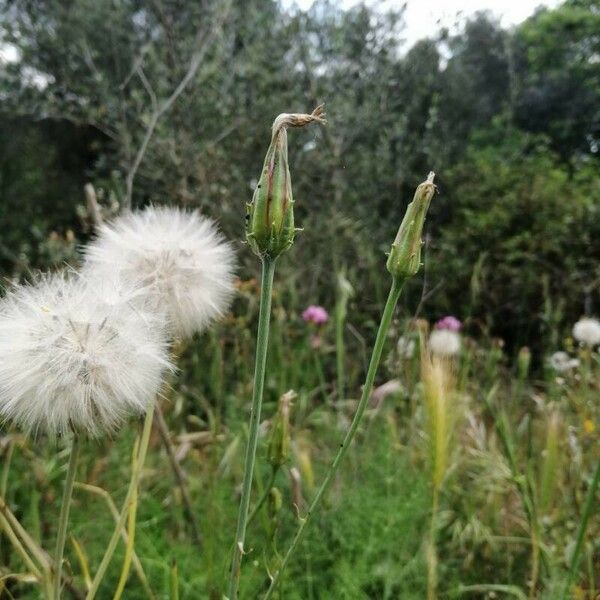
x=13, y=538
x=386, y=319
x=432, y=551
x=264, y=496
x=129, y=498
x=64, y=514
x=320, y=374
x=587, y=510
x=268, y=269
x=130, y=544
x=6, y=468
x=339, y=350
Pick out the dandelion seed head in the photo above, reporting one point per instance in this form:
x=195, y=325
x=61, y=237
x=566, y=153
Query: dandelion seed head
x=561, y=362
x=69, y=362
x=178, y=258
x=406, y=347
x=444, y=342
x=587, y=331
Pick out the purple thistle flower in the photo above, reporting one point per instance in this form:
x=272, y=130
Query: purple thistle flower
x=315, y=314
x=450, y=323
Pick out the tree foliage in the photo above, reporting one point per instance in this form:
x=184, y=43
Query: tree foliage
x=508, y=118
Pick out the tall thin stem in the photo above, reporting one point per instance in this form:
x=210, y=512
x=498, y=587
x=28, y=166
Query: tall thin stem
x=165, y=435
x=264, y=496
x=64, y=514
x=432, y=550
x=268, y=269
x=386, y=319
x=587, y=511
x=129, y=498
x=130, y=544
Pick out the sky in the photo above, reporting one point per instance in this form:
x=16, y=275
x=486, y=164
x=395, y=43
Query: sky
x=424, y=16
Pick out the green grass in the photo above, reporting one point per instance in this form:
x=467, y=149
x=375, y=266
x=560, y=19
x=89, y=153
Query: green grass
x=368, y=539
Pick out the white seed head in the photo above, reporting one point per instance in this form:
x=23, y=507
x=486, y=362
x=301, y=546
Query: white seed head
x=587, y=331
x=69, y=362
x=561, y=362
x=406, y=347
x=444, y=342
x=178, y=258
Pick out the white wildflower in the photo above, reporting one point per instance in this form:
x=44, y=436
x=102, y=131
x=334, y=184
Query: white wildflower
x=444, y=342
x=179, y=259
x=587, y=331
x=406, y=347
x=561, y=362
x=71, y=363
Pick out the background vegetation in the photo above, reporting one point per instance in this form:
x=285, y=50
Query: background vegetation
x=510, y=122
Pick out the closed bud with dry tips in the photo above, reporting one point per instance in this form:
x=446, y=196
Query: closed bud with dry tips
x=405, y=256
x=270, y=226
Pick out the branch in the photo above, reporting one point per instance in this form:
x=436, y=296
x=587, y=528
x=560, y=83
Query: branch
x=203, y=43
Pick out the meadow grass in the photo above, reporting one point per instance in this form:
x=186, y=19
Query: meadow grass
x=369, y=540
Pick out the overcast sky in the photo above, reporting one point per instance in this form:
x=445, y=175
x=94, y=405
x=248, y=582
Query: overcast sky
x=423, y=16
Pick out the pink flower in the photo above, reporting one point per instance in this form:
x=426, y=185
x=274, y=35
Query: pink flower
x=315, y=314
x=450, y=323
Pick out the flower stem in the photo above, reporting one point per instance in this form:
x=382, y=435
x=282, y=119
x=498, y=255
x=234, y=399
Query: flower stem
x=129, y=498
x=384, y=325
x=268, y=269
x=431, y=550
x=130, y=544
x=264, y=496
x=64, y=514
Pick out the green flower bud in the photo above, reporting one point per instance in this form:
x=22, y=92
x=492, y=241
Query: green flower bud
x=279, y=444
x=523, y=362
x=275, y=502
x=270, y=218
x=404, y=259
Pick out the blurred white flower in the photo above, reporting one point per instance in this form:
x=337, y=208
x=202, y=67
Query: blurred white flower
x=179, y=259
x=71, y=363
x=587, y=331
x=406, y=347
x=444, y=342
x=561, y=362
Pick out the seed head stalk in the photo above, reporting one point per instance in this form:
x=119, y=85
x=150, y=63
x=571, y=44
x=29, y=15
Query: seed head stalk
x=125, y=511
x=403, y=262
x=270, y=231
x=384, y=326
x=268, y=270
x=64, y=513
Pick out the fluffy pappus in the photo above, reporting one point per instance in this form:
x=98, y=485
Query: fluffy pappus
x=178, y=258
x=587, y=331
x=444, y=342
x=77, y=357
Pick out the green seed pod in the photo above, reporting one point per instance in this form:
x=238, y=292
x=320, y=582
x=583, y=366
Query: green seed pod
x=523, y=362
x=404, y=259
x=270, y=215
x=275, y=502
x=279, y=444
